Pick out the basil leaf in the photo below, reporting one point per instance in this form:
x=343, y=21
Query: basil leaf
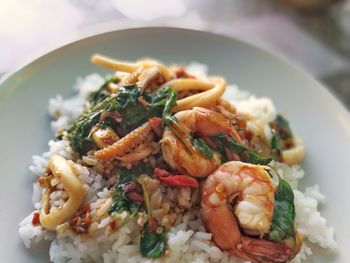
x=282, y=225
x=128, y=175
x=245, y=153
x=127, y=103
x=231, y=143
x=275, y=144
x=282, y=127
x=170, y=102
x=255, y=158
x=152, y=244
x=202, y=147
x=122, y=203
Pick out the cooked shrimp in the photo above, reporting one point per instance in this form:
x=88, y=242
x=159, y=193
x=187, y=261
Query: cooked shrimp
x=252, y=190
x=185, y=158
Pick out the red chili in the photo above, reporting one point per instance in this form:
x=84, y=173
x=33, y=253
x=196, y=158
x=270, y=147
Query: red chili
x=152, y=224
x=86, y=208
x=179, y=180
x=161, y=172
x=156, y=125
x=181, y=73
x=112, y=224
x=130, y=187
x=136, y=197
x=35, y=220
x=248, y=135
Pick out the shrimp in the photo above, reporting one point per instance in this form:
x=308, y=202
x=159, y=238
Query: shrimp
x=184, y=157
x=251, y=190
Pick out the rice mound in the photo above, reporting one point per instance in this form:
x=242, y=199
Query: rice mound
x=187, y=240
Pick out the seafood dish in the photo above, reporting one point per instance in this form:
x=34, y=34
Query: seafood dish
x=157, y=163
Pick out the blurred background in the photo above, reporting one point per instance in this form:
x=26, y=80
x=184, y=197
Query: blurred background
x=315, y=34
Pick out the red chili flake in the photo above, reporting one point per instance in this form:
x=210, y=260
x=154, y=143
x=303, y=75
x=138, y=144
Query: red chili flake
x=248, y=135
x=35, y=220
x=81, y=221
x=112, y=224
x=156, y=126
x=85, y=208
x=179, y=181
x=152, y=224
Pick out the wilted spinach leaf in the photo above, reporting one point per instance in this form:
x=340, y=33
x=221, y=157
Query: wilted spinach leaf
x=282, y=226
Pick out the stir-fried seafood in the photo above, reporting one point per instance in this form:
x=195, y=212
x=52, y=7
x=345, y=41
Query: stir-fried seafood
x=238, y=198
x=165, y=144
x=177, y=147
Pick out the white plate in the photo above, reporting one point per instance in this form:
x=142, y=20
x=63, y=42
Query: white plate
x=313, y=113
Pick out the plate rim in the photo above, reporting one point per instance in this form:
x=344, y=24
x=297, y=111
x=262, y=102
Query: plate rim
x=324, y=91
x=338, y=106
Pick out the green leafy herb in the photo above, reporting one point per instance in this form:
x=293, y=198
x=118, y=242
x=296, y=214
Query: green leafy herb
x=78, y=133
x=222, y=152
x=127, y=103
x=202, y=147
x=121, y=202
x=245, y=153
x=168, y=118
x=275, y=144
x=282, y=127
x=255, y=158
x=170, y=102
x=152, y=244
x=281, y=132
x=129, y=175
x=282, y=226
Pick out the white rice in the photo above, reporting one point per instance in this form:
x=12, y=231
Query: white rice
x=187, y=240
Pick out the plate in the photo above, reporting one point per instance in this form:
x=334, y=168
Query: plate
x=314, y=113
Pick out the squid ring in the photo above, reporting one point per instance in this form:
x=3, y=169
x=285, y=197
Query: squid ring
x=128, y=67
x=213, y=90
x=63, y=172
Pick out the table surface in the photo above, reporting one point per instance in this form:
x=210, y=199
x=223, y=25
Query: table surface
x=318, y=42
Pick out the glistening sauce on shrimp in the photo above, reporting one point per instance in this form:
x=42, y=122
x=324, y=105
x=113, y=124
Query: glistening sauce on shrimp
x=237, y=201
x=156, y=156
x=201, y=121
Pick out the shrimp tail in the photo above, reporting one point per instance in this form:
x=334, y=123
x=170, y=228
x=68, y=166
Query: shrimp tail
x=259, y=250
